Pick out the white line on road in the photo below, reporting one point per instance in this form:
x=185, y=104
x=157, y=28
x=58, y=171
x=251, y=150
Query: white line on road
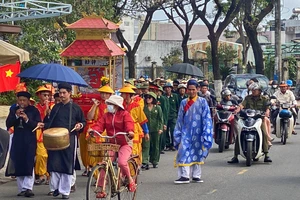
x=211, y=192
x=242, y=172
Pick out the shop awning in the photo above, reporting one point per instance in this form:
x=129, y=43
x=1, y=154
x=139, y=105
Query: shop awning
x=10, y=54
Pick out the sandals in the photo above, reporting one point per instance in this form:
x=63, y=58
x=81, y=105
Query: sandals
x=85, y=173
x=50, y=193
x=101, y=195
x=39, y=181
x=132, y=186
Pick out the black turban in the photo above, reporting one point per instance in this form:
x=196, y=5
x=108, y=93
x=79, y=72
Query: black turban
x=66, y=86
x=56, y=95
x=24, y=94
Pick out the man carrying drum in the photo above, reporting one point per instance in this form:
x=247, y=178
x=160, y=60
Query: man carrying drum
x=61, y=163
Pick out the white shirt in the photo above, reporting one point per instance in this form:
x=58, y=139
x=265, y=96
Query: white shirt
x=287, y=97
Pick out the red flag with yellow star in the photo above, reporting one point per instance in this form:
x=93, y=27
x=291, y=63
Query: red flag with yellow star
x=8, y=76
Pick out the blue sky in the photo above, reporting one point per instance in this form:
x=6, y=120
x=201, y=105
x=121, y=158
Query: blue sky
x=286, y=12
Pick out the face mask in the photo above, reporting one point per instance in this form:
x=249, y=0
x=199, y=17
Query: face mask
x=274, y=86
x=110, y=109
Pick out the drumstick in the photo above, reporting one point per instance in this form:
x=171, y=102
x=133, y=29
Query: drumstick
x=35, y=128
x=73, y=129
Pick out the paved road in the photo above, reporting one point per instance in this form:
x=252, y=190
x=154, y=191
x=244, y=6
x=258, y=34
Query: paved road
x=276, y=181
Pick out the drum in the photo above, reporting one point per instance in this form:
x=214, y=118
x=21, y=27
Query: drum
x=56, y=139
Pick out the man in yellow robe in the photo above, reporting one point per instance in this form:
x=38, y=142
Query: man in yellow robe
x=140, y=121
x=44, y=106
x=97, y=111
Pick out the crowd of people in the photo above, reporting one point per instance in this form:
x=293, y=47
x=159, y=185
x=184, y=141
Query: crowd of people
x=158, y=116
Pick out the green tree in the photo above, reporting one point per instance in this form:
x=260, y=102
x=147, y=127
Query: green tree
x=269, y=67
x=292, y=67
x=174, y=57
x=226, y=56
x=255, y=12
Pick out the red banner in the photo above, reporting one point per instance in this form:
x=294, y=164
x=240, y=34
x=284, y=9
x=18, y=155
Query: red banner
x=8, y=76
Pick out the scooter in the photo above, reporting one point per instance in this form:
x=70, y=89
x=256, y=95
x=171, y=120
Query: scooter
x=284, y=122
x=250, y=135
x=224, y=133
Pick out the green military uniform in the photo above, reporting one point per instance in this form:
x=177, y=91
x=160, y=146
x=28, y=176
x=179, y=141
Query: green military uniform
x=172, y=117
x=155, y=123
x=180, y=98
x=260, y=103
x=163, y=102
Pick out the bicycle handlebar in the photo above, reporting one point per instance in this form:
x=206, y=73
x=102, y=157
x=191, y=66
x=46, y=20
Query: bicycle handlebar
x=107, y=137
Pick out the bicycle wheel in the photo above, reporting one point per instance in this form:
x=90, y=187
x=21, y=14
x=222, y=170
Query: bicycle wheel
x=125, y=194
x=96, y=180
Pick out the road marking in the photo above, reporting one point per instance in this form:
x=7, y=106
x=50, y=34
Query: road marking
x=211, y=192
x=242, y=172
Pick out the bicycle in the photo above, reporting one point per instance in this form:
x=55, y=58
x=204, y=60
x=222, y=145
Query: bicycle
x=108, y=173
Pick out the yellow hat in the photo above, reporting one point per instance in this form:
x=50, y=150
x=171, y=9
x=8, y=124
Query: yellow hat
x=127, y=90
x=106, y=89
x=43, y=89
x=129, y=85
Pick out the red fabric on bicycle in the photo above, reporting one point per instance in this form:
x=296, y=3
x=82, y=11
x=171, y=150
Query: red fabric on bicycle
x=121, y=121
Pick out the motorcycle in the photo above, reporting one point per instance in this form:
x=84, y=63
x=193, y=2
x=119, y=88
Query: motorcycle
x=224, y=133
x=250, y=135
x=284, y=122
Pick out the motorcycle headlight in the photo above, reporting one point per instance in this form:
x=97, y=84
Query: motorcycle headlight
x=248, y=129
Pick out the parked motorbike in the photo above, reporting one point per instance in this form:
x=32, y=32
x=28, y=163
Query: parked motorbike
x=284, y=122
x=250, y=135
x=224, y=133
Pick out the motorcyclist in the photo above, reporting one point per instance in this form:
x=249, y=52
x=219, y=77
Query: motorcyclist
x=248, y=91
x=289, y=83
x=227, y=97
x=284, y=96
x=255, y=101
x=228, y=100
x=273, y=88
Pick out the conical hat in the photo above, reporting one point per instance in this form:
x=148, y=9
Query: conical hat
x=106, y=89
x=127, y=90
x=42, y=89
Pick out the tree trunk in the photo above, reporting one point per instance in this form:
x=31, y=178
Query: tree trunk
x=257, y=51
x=184, y=47
x=131, y=64
x=214, y=56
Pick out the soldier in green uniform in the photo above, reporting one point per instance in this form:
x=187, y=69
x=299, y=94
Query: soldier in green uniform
x=255, y=101
x=163, y=102
x=172, y=115
x=181, y=92
x=155, y=123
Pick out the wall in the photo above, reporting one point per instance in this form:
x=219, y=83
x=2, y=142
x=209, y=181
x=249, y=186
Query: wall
x=155, y=50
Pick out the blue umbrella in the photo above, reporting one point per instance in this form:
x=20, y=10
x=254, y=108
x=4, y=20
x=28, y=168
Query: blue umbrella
x=53, y=73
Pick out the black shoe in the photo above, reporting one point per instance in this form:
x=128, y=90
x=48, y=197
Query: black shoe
x=55, y=193
x=173, y=149
x=233, y=160
x=267, y=159
x=65, y=197
x=155, y=166
x=21, y=194
x=29, y=193
x=255, y=159
x=182, y=180
x=197, y=180
x=147, y=167
x=162, y=152
x=73, y=188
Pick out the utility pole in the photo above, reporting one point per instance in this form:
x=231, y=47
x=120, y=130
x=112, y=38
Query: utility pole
x=278, y=59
